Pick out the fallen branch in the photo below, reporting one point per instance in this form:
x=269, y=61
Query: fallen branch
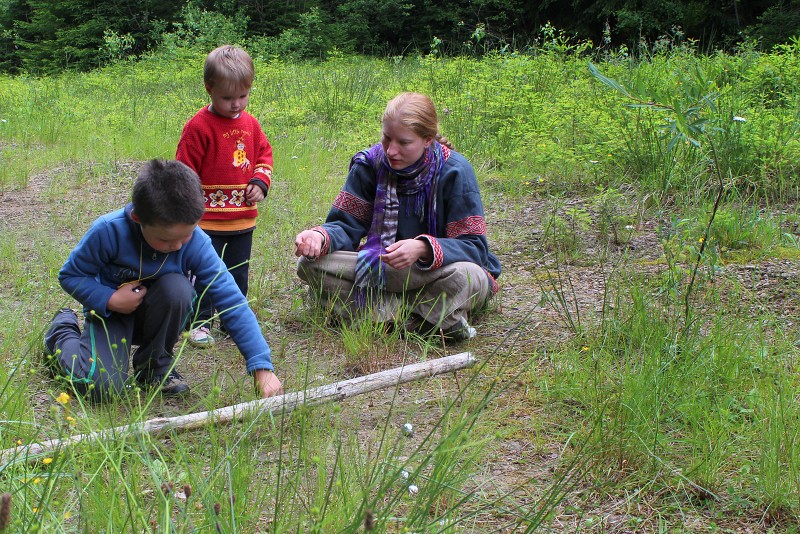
x=337, y=392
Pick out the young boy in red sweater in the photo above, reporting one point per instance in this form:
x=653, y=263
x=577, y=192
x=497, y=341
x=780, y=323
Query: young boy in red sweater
x=226, y=147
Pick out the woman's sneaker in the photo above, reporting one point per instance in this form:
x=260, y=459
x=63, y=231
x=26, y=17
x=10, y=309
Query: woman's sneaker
x=201, y=337
x=461, y=331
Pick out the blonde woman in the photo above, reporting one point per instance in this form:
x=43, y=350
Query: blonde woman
x=416, y=202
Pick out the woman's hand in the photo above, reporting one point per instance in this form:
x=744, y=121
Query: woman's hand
x=308, y=243
x=405, y=253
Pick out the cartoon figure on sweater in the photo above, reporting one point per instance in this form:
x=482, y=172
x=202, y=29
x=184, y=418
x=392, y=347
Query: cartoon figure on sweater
x=240, y=156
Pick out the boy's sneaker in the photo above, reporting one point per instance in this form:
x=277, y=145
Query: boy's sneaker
x=173, y=385
x=201, y=337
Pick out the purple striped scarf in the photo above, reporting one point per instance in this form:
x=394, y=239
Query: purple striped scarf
x=418, y=180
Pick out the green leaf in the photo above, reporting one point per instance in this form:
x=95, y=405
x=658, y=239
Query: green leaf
x=609, y=82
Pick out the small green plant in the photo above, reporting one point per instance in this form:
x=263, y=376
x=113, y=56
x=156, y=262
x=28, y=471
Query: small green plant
x=690, y=117
x=436, y=47
x=738, y=229
x=204, y=30
x=614, y=217
x=116, y=46
x=563, y=233
x=559, y=295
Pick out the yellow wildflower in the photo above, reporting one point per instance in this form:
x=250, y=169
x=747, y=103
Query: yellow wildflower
x=47, y=461
x=63, y=398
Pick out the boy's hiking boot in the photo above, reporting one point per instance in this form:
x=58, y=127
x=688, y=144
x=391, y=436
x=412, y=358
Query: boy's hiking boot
x=201, y=337
x=171, y=386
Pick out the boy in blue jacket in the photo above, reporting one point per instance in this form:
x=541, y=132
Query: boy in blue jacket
x=131, y=274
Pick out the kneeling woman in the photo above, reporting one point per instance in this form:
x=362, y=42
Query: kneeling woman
x=417, y=202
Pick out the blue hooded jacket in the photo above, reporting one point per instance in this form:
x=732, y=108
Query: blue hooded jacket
x=113, y=252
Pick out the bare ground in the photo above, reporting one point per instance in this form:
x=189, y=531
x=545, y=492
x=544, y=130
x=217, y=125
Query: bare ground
x=518, y=329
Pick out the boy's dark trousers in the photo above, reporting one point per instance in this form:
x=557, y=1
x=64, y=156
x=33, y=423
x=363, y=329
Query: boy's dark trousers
x=234, y=249
x=100, y=355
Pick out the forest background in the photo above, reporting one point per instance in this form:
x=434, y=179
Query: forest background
x=46, y=36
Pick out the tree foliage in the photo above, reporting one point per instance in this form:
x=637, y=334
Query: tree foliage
x=44, y=36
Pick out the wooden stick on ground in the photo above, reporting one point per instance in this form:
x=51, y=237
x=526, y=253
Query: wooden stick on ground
x=338, y=391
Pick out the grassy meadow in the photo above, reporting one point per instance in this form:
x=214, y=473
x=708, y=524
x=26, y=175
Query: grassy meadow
x=637, y=371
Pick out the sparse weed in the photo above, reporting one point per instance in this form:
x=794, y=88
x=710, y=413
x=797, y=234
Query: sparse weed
x=563, y=229
x=615, y=216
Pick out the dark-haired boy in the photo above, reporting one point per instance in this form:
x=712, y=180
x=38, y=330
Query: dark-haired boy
x=131, y=274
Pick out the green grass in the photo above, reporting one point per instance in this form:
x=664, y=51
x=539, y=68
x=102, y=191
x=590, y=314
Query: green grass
x=603, y=406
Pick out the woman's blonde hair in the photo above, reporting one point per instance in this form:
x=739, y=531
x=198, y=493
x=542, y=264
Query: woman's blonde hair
x=416, y=112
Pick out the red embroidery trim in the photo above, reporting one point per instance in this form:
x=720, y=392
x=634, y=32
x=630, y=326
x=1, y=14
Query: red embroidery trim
x=474, y=225
x=355, y=206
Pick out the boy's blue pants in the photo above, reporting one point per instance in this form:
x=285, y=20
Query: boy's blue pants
x=97, y=359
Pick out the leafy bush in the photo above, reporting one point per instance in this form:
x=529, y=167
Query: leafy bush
x=205, y=30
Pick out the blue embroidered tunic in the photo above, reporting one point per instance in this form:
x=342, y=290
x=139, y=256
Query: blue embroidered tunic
x=461, y=228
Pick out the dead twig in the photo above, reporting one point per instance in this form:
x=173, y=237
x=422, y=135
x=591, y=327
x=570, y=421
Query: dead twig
x=336, y=392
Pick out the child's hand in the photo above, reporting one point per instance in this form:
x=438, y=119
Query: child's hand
x=267, y=383
x=127, y=298
x=253, y=194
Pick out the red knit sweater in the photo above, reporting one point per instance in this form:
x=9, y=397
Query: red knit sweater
x=227, y=154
